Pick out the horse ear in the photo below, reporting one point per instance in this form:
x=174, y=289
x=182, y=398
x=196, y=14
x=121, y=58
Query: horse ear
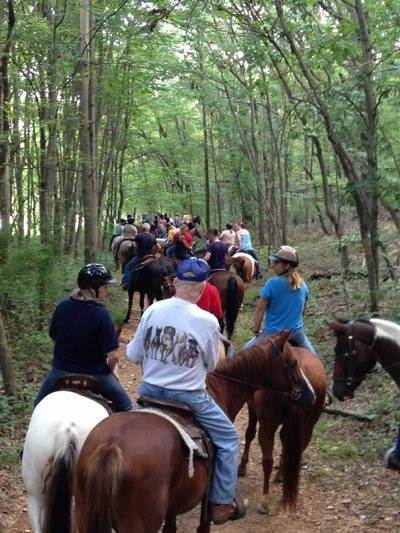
x=282, y=336
x=342, y=320
x=337, y=327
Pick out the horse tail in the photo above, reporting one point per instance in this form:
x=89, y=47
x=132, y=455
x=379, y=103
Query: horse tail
x=58, y=484
x=292, y=453
x=98, y=489
x=231, y=308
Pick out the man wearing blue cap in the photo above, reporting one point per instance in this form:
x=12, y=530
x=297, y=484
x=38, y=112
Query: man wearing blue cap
x=178, y=345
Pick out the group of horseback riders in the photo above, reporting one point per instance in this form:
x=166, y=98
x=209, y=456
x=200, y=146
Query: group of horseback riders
x=86, y=340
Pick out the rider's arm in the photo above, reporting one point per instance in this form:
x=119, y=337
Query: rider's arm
x=211, y=351
x=305, y=308
x=258, y=315
x=207, y=256
x=112, y=359
x=157, y=247
x=239, y=240
x=182, y=239
x=135, y=349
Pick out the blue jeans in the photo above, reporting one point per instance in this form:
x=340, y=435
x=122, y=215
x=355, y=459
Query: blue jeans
x=185, y=255
x=110, y=389
x=221, y=430
x=397, y=451
x=297, y=335
x=253, y=254
x=128, y=268
x=170, y=251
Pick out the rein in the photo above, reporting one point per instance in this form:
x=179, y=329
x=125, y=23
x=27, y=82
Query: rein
x=294, y=395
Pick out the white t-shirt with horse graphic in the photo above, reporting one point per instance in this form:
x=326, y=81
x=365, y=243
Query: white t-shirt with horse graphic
x=178, y=344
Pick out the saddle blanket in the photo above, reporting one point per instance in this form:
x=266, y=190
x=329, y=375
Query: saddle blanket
x=195, y=446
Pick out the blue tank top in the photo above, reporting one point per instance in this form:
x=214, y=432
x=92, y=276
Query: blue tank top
x=245, y=241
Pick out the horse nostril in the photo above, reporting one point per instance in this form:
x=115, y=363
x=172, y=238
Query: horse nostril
x=295, y=395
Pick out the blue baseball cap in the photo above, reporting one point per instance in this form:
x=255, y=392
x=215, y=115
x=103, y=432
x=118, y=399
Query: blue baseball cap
x=192, y=270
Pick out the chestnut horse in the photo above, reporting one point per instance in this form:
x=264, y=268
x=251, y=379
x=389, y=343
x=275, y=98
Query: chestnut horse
x=244, y=265
x=297, y=427
x=132, y=473
x=360, y=345
x=231, y=291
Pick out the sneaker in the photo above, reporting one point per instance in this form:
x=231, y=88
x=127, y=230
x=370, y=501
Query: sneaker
x=259, y=276
x=231, y=511
x=388, y=458
x=124, y=287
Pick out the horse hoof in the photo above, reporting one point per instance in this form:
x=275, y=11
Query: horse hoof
x=278, y=477
x=126, y=321
x=242, y=471
x=264, y=505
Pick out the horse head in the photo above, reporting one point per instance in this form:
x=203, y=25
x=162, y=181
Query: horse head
x=288, y=372
x=282, y=373
x=354, y=357
x=167, y=286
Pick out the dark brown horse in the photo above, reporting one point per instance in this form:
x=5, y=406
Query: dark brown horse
x=244, y=265
x=149, y=280
x=297, y=427
x=231, y=291
x=360, y=345
x=132, y=473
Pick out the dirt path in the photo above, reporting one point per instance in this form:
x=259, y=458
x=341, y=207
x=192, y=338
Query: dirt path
x=342, y=488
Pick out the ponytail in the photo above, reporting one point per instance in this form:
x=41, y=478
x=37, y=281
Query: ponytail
x=294, y=279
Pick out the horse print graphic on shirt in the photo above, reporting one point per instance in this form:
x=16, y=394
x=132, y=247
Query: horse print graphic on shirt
x=147, y=340
x=155, y=343
x=167, y=343
x=191, y=355
x=169, y=346
x=179, y=348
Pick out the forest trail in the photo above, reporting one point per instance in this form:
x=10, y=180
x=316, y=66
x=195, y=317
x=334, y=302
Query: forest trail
x=336, y=496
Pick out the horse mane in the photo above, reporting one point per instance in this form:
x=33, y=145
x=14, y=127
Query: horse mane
x=385, y=328
x=248, y=363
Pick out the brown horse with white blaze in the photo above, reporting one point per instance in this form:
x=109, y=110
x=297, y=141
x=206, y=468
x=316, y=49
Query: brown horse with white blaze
x=132, y=473
x=297, y=428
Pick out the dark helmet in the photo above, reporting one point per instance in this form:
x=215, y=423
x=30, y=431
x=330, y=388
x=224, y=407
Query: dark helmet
x=94, y=276
x=229, y=225
x=286, y=254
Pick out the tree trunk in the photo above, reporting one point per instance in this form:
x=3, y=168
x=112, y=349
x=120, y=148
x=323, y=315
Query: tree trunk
x=89, y=185
x=5, y=184
x=206, y=166
x=10, y=385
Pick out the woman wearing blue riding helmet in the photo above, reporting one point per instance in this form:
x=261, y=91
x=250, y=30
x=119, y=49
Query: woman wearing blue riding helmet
x=283, y=300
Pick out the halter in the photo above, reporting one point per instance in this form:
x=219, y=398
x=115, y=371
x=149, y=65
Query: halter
x=295, y=394
x=351, y=351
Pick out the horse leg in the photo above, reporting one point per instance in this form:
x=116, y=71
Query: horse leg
x=268, y=424
x=142, y=296
x=204, y=526
x=131, y=292
x=170, y=525
x=250, y=434
x=36, y=503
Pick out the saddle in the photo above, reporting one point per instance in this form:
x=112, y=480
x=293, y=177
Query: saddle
x=183, y=416
x=145, y=261
x=86, y=386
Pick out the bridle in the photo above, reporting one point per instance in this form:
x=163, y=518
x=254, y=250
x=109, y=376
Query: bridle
x=352, y=352
x=294, y=395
